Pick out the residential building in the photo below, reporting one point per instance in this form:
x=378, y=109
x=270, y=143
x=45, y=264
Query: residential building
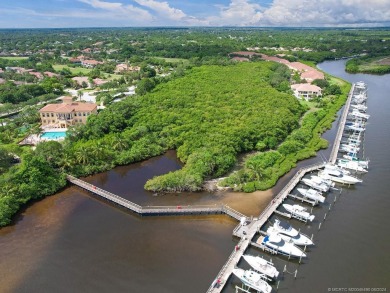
x=66, y=114
x=306, y=91
x=90, y=63
x=125, y=67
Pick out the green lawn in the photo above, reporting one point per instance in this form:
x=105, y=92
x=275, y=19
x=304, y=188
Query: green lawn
x=84, y=71
x=14, y=58
x=174, y=60
x=77, y=70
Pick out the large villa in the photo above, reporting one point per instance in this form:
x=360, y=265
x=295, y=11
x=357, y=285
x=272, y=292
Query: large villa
x=66, y=114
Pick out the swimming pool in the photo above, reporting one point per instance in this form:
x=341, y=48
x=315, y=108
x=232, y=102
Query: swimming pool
x=51, y=135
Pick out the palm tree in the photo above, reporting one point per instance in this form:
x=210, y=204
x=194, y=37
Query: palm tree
x=118, y=143
x=82, y=156
x=67, y=162
x=255, y=170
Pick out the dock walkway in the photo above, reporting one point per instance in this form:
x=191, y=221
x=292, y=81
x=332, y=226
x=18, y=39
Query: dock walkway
x=340, y=131
x=157, y=210
x=252, y=229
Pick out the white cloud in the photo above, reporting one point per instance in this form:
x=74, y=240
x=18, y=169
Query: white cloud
x=163, y=9
x=239, y=12
x=304, y=13
x=120, y=10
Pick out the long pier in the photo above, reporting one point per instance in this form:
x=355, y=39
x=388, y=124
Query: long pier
x=156, y=210
x=339, y=135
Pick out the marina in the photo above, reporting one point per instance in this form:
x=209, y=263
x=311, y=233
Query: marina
x=248, y=227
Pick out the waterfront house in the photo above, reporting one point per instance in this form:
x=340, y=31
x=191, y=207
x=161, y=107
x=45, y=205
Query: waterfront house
x=306, y=91
x=67, y=113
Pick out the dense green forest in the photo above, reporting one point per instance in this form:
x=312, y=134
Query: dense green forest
x=369, y=64
x=207, y=108
x=209, y=115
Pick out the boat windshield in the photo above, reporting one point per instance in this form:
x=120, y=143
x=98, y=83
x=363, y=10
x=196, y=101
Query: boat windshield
x=283, y=225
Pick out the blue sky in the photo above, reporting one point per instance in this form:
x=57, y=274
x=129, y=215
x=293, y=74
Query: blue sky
x=123, y=13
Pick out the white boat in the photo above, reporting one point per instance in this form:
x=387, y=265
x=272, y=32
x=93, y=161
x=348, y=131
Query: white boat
x=288, y=233
x=338, y=175
x=355, y=128
x=315, y=184
x=318, y=179
x=298, y=212
x=360, y=85
x=252, y=279
x=351, y=165
x=360, y=107
x=357, y=114
x=353, y=157
x=276, y=243
x=312, y=194
x=262, y=266
x=349, y=148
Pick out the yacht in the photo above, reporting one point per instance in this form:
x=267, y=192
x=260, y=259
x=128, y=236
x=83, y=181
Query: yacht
x=288, y=233
x=320, y=180
x=360, y=107
x=276, y=243
x=351, y=165
x=298, y=212
x=357, y=114
x=353, y=157
x=311, y=194
x=262, y=266
x=316, y=185
x=252, y=279
x=338, y=176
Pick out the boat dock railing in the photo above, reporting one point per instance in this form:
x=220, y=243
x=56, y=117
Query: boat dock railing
x=157, y=210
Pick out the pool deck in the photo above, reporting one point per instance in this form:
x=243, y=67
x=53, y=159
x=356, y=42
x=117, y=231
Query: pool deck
x=34, y=139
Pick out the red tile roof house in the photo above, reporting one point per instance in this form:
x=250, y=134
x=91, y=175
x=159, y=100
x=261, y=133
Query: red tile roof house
x=81, y=79
x=306, y=72
x=51, y=74
x=99, y=81
x=66, y=114
x=125, y=67
x=36, y=74
x=306, y=90
x=90, y=63
x=311, y=75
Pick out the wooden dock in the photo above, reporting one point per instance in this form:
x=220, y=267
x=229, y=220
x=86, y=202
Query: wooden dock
x=340, y=131
x=157, y=210
x=226, y=271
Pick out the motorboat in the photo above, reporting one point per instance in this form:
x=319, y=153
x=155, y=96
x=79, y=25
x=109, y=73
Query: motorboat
x=357, y=114
x=338, y=175
x=316, y=185
x=289, y=233
x=298, y=212
x=277, y=244
x=353, y=157
x=349, y=148
x=312, y=194
x=253, y=279
x=355, y=128
x=360, y=107
x=262, y=266
x=351, y=165
x=320, y=180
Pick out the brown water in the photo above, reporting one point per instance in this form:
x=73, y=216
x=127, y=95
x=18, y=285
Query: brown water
x=74, y=242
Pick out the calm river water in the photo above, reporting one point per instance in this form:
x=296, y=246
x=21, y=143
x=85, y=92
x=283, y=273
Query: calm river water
x=74, y=242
